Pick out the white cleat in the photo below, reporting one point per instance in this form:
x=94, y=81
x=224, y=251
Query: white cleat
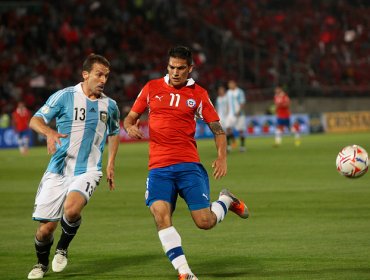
x=38, y=271
x=60, y=260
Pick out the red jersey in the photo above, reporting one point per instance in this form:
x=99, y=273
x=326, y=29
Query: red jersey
x=172, y=124
x=282, y=103
x=21, y=118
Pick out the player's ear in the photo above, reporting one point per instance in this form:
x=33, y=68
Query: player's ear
x=85, y=75
x=190, y=68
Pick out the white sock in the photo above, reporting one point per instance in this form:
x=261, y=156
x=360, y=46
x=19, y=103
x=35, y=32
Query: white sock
x=221, y=206
x=171, y=243
x=278, y=139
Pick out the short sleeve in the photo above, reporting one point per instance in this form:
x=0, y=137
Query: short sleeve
x=52, y=107
x=114, y=118
x=141, y=102
x=242, y=97
x=206, y=111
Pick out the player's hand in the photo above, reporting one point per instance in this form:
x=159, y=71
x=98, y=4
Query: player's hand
x=134, y=131
x=219, y=168
x=110, y=178
x=52, y=139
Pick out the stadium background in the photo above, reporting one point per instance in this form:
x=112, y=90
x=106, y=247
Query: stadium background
x=318, y=50
x=307, y=221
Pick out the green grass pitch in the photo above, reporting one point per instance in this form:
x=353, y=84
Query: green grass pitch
x=307, y=221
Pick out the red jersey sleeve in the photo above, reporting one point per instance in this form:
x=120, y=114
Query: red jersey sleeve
x=141, y=102
x=206, y=110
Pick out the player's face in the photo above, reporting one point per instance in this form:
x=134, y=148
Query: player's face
x=232, y=84
x=279, y=91
x=178, y=71
x=221, y=91
x=95, y=80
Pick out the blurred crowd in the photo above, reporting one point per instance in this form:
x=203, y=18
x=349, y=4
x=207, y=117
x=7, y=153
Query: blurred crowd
x=301, y=43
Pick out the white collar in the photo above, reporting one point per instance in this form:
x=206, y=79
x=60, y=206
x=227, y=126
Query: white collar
x=79, y=89
x=189, y=82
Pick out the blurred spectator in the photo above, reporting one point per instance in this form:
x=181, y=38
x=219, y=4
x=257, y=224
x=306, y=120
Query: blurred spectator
x=4, y=118
x=309, y=43
x=20, y=118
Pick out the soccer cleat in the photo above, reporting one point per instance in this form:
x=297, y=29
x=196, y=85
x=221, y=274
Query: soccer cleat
x=237, y=206
x=38, y=271
x=187, y=276
x=60, y=260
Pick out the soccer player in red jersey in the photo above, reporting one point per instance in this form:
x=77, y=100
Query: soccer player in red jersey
x=174, y=102
x=20, y=118
x=282, y=107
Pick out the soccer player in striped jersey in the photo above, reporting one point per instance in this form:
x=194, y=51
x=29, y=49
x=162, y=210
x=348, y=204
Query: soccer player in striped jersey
x=235, y=119
x=222, y=105
x=174, y=102
x=85, y=118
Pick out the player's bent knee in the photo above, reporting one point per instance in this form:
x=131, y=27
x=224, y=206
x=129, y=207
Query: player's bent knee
x=72, y=215
x=73, y=206
x=204, y=218
x=46, y=230
x=204, y=223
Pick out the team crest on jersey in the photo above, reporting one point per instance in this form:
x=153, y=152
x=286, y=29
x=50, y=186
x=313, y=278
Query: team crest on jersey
x=191, y=103
x=45, y=109
x=104, y=117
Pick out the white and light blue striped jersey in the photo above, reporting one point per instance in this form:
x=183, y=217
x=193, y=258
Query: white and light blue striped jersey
x=222, y=106
x=236, y=98
x=87, y=123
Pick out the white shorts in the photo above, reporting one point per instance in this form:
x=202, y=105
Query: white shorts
x=236, y=122
x=54, y=188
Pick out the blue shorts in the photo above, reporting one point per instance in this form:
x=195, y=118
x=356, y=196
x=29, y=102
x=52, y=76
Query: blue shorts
x=22, y=134
x=283, y=122
x=189, y=180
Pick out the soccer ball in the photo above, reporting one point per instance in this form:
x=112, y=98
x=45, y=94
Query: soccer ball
x=352, y=161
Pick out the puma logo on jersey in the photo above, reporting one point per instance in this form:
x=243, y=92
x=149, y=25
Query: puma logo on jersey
x=205, y=195
x=159, y=97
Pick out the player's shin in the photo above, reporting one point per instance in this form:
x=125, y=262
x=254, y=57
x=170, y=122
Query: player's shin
x=43, y=250
x=69, y=231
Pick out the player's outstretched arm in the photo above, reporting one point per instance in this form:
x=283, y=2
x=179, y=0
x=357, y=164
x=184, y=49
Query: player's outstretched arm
x=52, y=137
x=113, y=144
x=131, y=125
x=219, y=165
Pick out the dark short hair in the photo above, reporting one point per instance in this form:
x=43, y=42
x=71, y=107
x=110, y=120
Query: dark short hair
x=181, y=52
x=92, y=59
